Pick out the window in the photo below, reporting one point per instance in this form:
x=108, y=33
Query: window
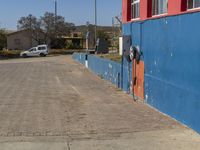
x=159, y=7
x=135, y=9
x=75, y=35
x=41, y=48
x=32, y=49
x=193, y=4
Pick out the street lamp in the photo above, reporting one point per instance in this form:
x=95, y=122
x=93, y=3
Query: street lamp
x=95, y=12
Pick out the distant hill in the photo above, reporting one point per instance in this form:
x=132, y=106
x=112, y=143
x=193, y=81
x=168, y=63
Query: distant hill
x=84, y=28
x=10, y=31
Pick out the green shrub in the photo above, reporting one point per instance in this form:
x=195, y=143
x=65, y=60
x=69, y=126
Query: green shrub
x=3, y=39
x=10, y=53
x=63, y=51
x=113, y=57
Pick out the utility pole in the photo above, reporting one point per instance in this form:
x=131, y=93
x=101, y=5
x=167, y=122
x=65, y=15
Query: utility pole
x=113, y=32
x=87, y=45
x=31, y=30
x=55, y=24
x=56, y=11
x=95, y=12
x=87, y=37
x=56, y=18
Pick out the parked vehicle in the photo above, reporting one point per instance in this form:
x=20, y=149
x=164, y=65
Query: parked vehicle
x=40, y=50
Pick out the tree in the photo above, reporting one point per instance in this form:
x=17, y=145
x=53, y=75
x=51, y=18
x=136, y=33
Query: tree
x=102, y=34
x=55, y=27
x=3, y=39
x=29, y=22
x=32, y=24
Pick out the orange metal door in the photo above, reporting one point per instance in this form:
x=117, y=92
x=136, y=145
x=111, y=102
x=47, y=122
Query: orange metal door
x=138, y=79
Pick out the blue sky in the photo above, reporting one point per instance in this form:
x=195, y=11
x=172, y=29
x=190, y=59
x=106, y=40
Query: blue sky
x=77, y=11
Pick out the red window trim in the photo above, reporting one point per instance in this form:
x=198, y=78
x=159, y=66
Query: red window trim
x=175, y=7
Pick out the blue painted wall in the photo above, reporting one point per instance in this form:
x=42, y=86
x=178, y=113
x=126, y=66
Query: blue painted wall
x=171, y=52
x=108, y=70
x=80, y=57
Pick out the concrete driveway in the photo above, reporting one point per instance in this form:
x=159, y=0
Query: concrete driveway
x=54, y=103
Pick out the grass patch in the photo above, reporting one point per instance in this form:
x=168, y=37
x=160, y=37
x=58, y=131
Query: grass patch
x=63, y=51
x=10, y=53
x=113, y=57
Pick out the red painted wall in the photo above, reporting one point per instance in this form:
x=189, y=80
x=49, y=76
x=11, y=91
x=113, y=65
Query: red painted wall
x=126, y=10
x=176, y=6
x=145, y=9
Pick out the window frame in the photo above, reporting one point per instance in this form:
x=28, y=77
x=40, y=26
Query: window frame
x=157, y=9
x=42, y=48
x=193, y=7
x=33, y=49
x=133, y=16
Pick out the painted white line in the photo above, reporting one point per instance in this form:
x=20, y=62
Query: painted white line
x=57, y=80
x=76, y=90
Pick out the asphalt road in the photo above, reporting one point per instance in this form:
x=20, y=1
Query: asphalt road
x=54, y=103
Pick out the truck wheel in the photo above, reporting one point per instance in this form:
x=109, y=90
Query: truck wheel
x=42, y=55
x=24, y=56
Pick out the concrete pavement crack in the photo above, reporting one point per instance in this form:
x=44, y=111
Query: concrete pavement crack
x=68, y=146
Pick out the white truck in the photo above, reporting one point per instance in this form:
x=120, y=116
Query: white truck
x=40, y=50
